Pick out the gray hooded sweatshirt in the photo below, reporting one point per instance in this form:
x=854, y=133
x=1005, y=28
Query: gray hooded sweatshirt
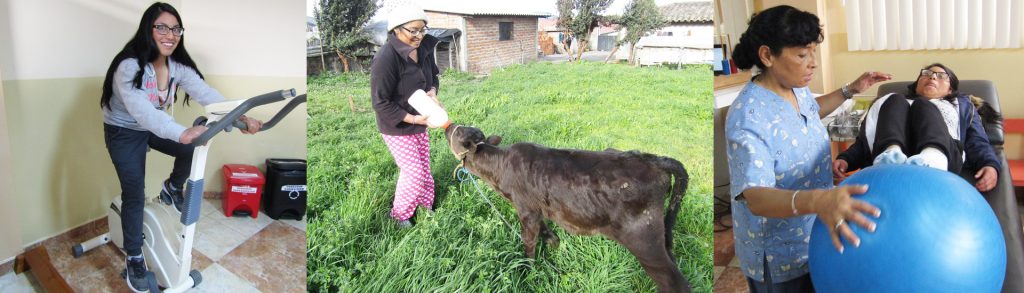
x=145, y=109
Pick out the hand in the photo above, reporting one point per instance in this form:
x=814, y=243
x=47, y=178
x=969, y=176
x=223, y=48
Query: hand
x=419, y=119
x=252, y=125
x=868, y=79
x=191, y=134
x=433, y=95
x=986, y=178
x=836, y=208
x=839, y=169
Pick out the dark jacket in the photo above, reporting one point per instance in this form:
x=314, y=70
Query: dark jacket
x=393, y=79
x=972, y=134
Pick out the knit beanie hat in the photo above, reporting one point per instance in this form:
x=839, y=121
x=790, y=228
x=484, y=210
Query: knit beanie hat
x=403, y=14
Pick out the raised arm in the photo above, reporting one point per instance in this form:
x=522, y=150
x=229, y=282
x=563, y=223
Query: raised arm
x=829, y=102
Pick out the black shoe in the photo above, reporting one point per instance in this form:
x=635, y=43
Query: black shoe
x=171, y=195
x=135, y=273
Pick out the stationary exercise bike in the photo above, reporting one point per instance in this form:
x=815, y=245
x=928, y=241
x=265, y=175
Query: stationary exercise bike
x=167, y=246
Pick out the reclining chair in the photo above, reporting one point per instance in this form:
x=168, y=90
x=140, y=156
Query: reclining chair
x=1002, y=197
x=721, y=165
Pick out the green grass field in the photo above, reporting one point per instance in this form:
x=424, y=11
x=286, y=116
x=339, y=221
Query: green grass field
x=463, y=246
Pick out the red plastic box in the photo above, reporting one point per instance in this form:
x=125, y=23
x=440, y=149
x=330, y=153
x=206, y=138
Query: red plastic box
x=243, y=185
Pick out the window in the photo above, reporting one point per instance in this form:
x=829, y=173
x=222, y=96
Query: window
x=924, y=25
x=504, y=31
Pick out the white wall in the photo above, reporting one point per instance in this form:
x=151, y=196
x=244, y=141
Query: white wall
x=694, y=35
x=732, y=20
x=247, y=38
x=697, y=38
x=64, y=38
x=662, y=55
x=78, y=38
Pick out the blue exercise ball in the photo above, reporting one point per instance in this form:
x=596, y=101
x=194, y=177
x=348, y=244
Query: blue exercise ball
x=936, y=234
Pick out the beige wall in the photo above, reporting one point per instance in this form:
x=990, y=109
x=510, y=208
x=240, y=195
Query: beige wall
x=1001, y=66
x=10, y=243
x=51, y=89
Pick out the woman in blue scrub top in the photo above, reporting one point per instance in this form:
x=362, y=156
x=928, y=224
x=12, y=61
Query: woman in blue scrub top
x=780, y=156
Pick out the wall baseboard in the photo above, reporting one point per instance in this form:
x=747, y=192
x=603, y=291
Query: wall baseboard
x=8, y=265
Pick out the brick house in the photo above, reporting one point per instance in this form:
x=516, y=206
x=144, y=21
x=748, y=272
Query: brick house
x=488, y=37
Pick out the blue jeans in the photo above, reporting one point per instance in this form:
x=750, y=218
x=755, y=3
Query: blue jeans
x=127, y=150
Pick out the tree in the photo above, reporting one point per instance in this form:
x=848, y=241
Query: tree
x=564, y=18
x=640, y=18
x=341, y=25
x=617, y=21
x=579, y=18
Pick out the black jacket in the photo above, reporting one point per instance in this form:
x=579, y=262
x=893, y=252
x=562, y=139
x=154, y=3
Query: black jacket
x=393, y=79
x=972, y=133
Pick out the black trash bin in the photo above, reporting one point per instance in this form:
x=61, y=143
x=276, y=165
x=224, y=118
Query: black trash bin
x=284, y=195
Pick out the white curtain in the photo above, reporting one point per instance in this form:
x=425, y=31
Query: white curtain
x=933, y=24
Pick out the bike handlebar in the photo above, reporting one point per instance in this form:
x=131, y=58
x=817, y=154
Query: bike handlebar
x=231, y=119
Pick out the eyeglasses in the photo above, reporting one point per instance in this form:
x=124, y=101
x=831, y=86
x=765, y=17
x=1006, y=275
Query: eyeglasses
x=419, y=32
x=936, y=75
x=163, y=29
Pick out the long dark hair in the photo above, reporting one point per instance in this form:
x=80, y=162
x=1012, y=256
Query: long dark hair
x=143, y=48
x=954, y=83
x=777, y=27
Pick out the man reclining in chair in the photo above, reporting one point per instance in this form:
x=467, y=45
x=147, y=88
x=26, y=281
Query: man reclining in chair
x=936, y=126
x=618, y=194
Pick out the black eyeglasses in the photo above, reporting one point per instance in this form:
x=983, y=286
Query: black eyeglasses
x=937, y=75
x=419, y=32
x=163, y=29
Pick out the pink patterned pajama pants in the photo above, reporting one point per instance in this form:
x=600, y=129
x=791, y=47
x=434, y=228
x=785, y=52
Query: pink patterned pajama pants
x=415, y=184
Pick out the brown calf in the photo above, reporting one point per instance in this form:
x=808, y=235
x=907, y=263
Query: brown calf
x=618, y=194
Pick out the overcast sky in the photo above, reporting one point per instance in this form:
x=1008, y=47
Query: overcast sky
x=540, y=5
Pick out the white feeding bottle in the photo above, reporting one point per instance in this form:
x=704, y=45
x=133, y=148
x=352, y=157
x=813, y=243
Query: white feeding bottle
x=436, y=116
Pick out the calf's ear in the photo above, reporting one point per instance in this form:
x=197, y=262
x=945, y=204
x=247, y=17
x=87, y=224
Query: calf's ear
x=493, y=140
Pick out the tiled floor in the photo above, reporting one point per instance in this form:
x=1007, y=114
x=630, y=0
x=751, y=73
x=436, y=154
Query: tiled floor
x=11, y=282
x=728, y=276
x=238, y=254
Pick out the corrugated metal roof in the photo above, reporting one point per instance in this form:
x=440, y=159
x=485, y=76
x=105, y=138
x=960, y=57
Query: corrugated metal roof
x=495, y=8
x=695, y=11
